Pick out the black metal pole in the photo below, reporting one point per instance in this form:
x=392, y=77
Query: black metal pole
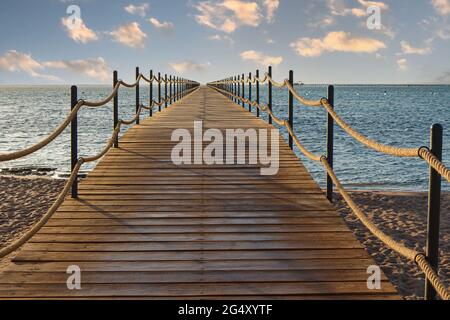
x=291, y=109
x=434, y=209
x=165, y=91
x=270, y=93
x=171, y=96
x=74, y=139
x=330, y=143
x=137, y=96
x=250, y=92
x=176, y=89
x=257, y=92
x=239, y=89
x=159, y=91
x=116, y=107
x=243, y=90
x=235, y=89
x=150, y=94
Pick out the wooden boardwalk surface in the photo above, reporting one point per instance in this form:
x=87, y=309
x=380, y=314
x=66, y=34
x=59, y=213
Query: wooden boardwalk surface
x=145, y=228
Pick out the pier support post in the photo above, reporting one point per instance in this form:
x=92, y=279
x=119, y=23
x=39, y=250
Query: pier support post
x=116, y=107
x=165, y=91
x=250, y=92
x=330, y=143
x=239, y=89
x=434, y=210
x=291, y=109
x=269, y=84
x=137, y=96
x=243, y=90
x=171, y=96
x=159, y=91
x=257, y=92
x=74, y=139
x=150, y=94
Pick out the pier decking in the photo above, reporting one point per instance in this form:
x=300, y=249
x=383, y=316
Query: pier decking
x=145, y=228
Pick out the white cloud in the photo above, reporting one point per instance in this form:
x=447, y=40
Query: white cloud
x=339, y=41
x=168, y=26
x=93, y=68
x=261, y=58
x=130, y=35
x=442, y=6
x=408, y=49
x=339, y=7
x=402, y=64
x=14, y=61
x=218, y=37
x=78, y=31
x=227, y=15
x=271, y=8
x=140, y=10
x=188, y=66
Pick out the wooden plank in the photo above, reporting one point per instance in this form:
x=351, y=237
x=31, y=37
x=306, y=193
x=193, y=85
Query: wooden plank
x=148, y=229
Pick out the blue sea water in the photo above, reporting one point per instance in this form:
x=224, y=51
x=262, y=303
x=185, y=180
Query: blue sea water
x=395, y=115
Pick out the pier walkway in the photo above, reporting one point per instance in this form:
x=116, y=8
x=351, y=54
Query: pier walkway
x=143, y=227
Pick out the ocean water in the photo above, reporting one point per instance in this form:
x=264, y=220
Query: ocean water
x=395, y=115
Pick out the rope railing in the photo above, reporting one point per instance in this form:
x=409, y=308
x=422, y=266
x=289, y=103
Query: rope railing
x=427, y=262
x=184, y=88
x=4, y=157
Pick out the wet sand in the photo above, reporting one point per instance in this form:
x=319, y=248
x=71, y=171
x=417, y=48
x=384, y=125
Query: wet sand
x=402, y=215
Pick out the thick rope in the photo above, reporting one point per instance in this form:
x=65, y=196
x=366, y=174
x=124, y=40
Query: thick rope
x=435, y=163
x=412, y=255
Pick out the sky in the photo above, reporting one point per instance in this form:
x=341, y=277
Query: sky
x=323, y=41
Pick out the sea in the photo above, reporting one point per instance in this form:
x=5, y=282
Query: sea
x=397, y=115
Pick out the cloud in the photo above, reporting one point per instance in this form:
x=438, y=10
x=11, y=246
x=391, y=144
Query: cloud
x=14, y=61
x=271, y=8
x=187, y=66
x=168, y=26
x=218, y=37
x=78, y=31
x=227, y=15
x=261, y=58
x=93, y=68
x=130, y=35
x=402, y=64
x=339, y=7
x=442, y=6
x=140, y=10
x=339, y=41
x=408, y=49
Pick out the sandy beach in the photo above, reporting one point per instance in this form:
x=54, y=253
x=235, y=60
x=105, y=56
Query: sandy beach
x=400, y=214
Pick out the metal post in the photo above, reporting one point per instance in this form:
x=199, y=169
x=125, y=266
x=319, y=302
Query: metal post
x=270, y=93
x=235, y=89
x=116, y=107
x=257, y=92
x=330, y=143
x=239, y=89
x=159, y=91
x=171, y=96
x=250, y=92
x=291, y=109
x=150, y=94
x=137, y=96
x=165, y=91
x=74, y=139
x=434, y=209
x=243, y=90
x=176, y=89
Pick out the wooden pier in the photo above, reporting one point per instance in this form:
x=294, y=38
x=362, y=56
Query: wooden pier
x=145, y=228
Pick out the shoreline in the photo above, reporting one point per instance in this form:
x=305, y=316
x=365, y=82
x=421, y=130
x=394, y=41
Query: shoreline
x=400, y=214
